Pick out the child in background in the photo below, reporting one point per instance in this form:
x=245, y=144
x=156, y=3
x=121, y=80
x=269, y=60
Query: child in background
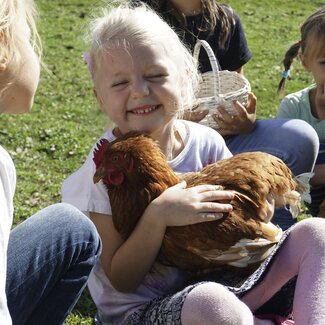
x=45, y=265
x=221, y=27
x=207, y=20
x=140, y=84
x=309, y=104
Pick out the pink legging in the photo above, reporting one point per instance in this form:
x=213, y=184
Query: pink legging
x=302, y=254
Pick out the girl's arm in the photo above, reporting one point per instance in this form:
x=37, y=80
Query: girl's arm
x=127, y=262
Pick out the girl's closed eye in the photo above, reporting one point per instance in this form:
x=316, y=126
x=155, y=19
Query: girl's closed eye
x=156, y=72
x=119, y=83
x=156, y=76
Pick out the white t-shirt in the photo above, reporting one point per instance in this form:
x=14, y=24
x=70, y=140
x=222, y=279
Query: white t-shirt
x=7, y=190
x=202, y=146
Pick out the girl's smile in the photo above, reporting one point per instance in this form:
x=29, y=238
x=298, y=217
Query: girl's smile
x=144, y=110
x=138, y=87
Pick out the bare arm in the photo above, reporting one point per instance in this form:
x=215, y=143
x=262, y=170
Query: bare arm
x=127, y=262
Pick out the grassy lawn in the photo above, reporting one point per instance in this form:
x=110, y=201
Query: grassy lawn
x=53, y=140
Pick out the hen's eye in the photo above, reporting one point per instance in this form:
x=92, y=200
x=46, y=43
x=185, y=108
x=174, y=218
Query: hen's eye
x=115, y=158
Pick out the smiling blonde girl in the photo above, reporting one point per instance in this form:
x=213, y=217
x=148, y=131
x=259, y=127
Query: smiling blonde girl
x=143, y=78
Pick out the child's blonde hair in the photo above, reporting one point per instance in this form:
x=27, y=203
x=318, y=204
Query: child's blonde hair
x=12, y=12
x=311, y=43
x=126, y=25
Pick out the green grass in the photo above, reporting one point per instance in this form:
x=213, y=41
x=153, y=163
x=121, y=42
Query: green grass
x=55, y=137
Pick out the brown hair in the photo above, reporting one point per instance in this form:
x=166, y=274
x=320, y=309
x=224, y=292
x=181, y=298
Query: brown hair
x=213, y=14
x=312, y=31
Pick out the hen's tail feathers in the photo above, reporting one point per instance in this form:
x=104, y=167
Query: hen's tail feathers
x=293, y=198
x=303, y=181
x=246, y=251
x=302, y=193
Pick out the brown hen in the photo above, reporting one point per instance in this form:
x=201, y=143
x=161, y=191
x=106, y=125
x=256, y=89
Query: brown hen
x=135, y=172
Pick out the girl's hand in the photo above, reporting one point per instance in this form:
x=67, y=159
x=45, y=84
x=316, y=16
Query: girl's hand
x=241, y=122
x=194, y=115
x=179, y=206
x=320, y=101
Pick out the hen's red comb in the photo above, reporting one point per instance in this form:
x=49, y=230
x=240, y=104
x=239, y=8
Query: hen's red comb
x=100, y=151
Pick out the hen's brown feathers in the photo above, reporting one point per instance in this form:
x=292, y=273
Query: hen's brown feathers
x=241, y=238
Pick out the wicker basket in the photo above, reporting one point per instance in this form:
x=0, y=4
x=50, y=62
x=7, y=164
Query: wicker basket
x=218, y=88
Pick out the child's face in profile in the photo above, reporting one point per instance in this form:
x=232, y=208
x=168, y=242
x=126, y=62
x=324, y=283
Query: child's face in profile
x=20, y=77
x=138, y=88
x=313, y=59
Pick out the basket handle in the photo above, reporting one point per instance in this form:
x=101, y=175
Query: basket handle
x=213, y=62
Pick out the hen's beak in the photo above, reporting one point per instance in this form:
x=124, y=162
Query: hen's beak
x=99, y=174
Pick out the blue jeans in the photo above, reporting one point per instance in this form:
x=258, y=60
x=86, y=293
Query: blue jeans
x=294, y=141
x=50, y=256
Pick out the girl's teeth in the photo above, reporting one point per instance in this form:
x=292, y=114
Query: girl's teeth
x=145, y=110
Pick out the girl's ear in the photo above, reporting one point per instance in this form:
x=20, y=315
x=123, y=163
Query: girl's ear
x=3, y=59
x=304, y=61
x=3, y=64
x=3, y=67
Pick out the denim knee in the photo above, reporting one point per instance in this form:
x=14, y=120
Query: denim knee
x=68, y=219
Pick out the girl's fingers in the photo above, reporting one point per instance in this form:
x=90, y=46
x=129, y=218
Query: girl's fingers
x=223, y=116
x=205, y=188
x=209, y=193
x=217, y=195
x=209, y=216
x=215, y=207
x=194, y=115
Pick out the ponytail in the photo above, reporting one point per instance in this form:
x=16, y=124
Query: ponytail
x=290, y=55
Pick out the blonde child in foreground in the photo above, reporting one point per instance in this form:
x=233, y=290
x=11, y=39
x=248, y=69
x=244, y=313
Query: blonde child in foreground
x=143, y=79
x=44, y=261
x=309, y=104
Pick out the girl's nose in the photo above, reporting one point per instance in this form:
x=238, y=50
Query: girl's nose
x=140, y=88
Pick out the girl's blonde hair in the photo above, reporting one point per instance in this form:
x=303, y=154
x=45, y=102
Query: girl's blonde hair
x=126, y=25
x=311, y=43
x=12, y=12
